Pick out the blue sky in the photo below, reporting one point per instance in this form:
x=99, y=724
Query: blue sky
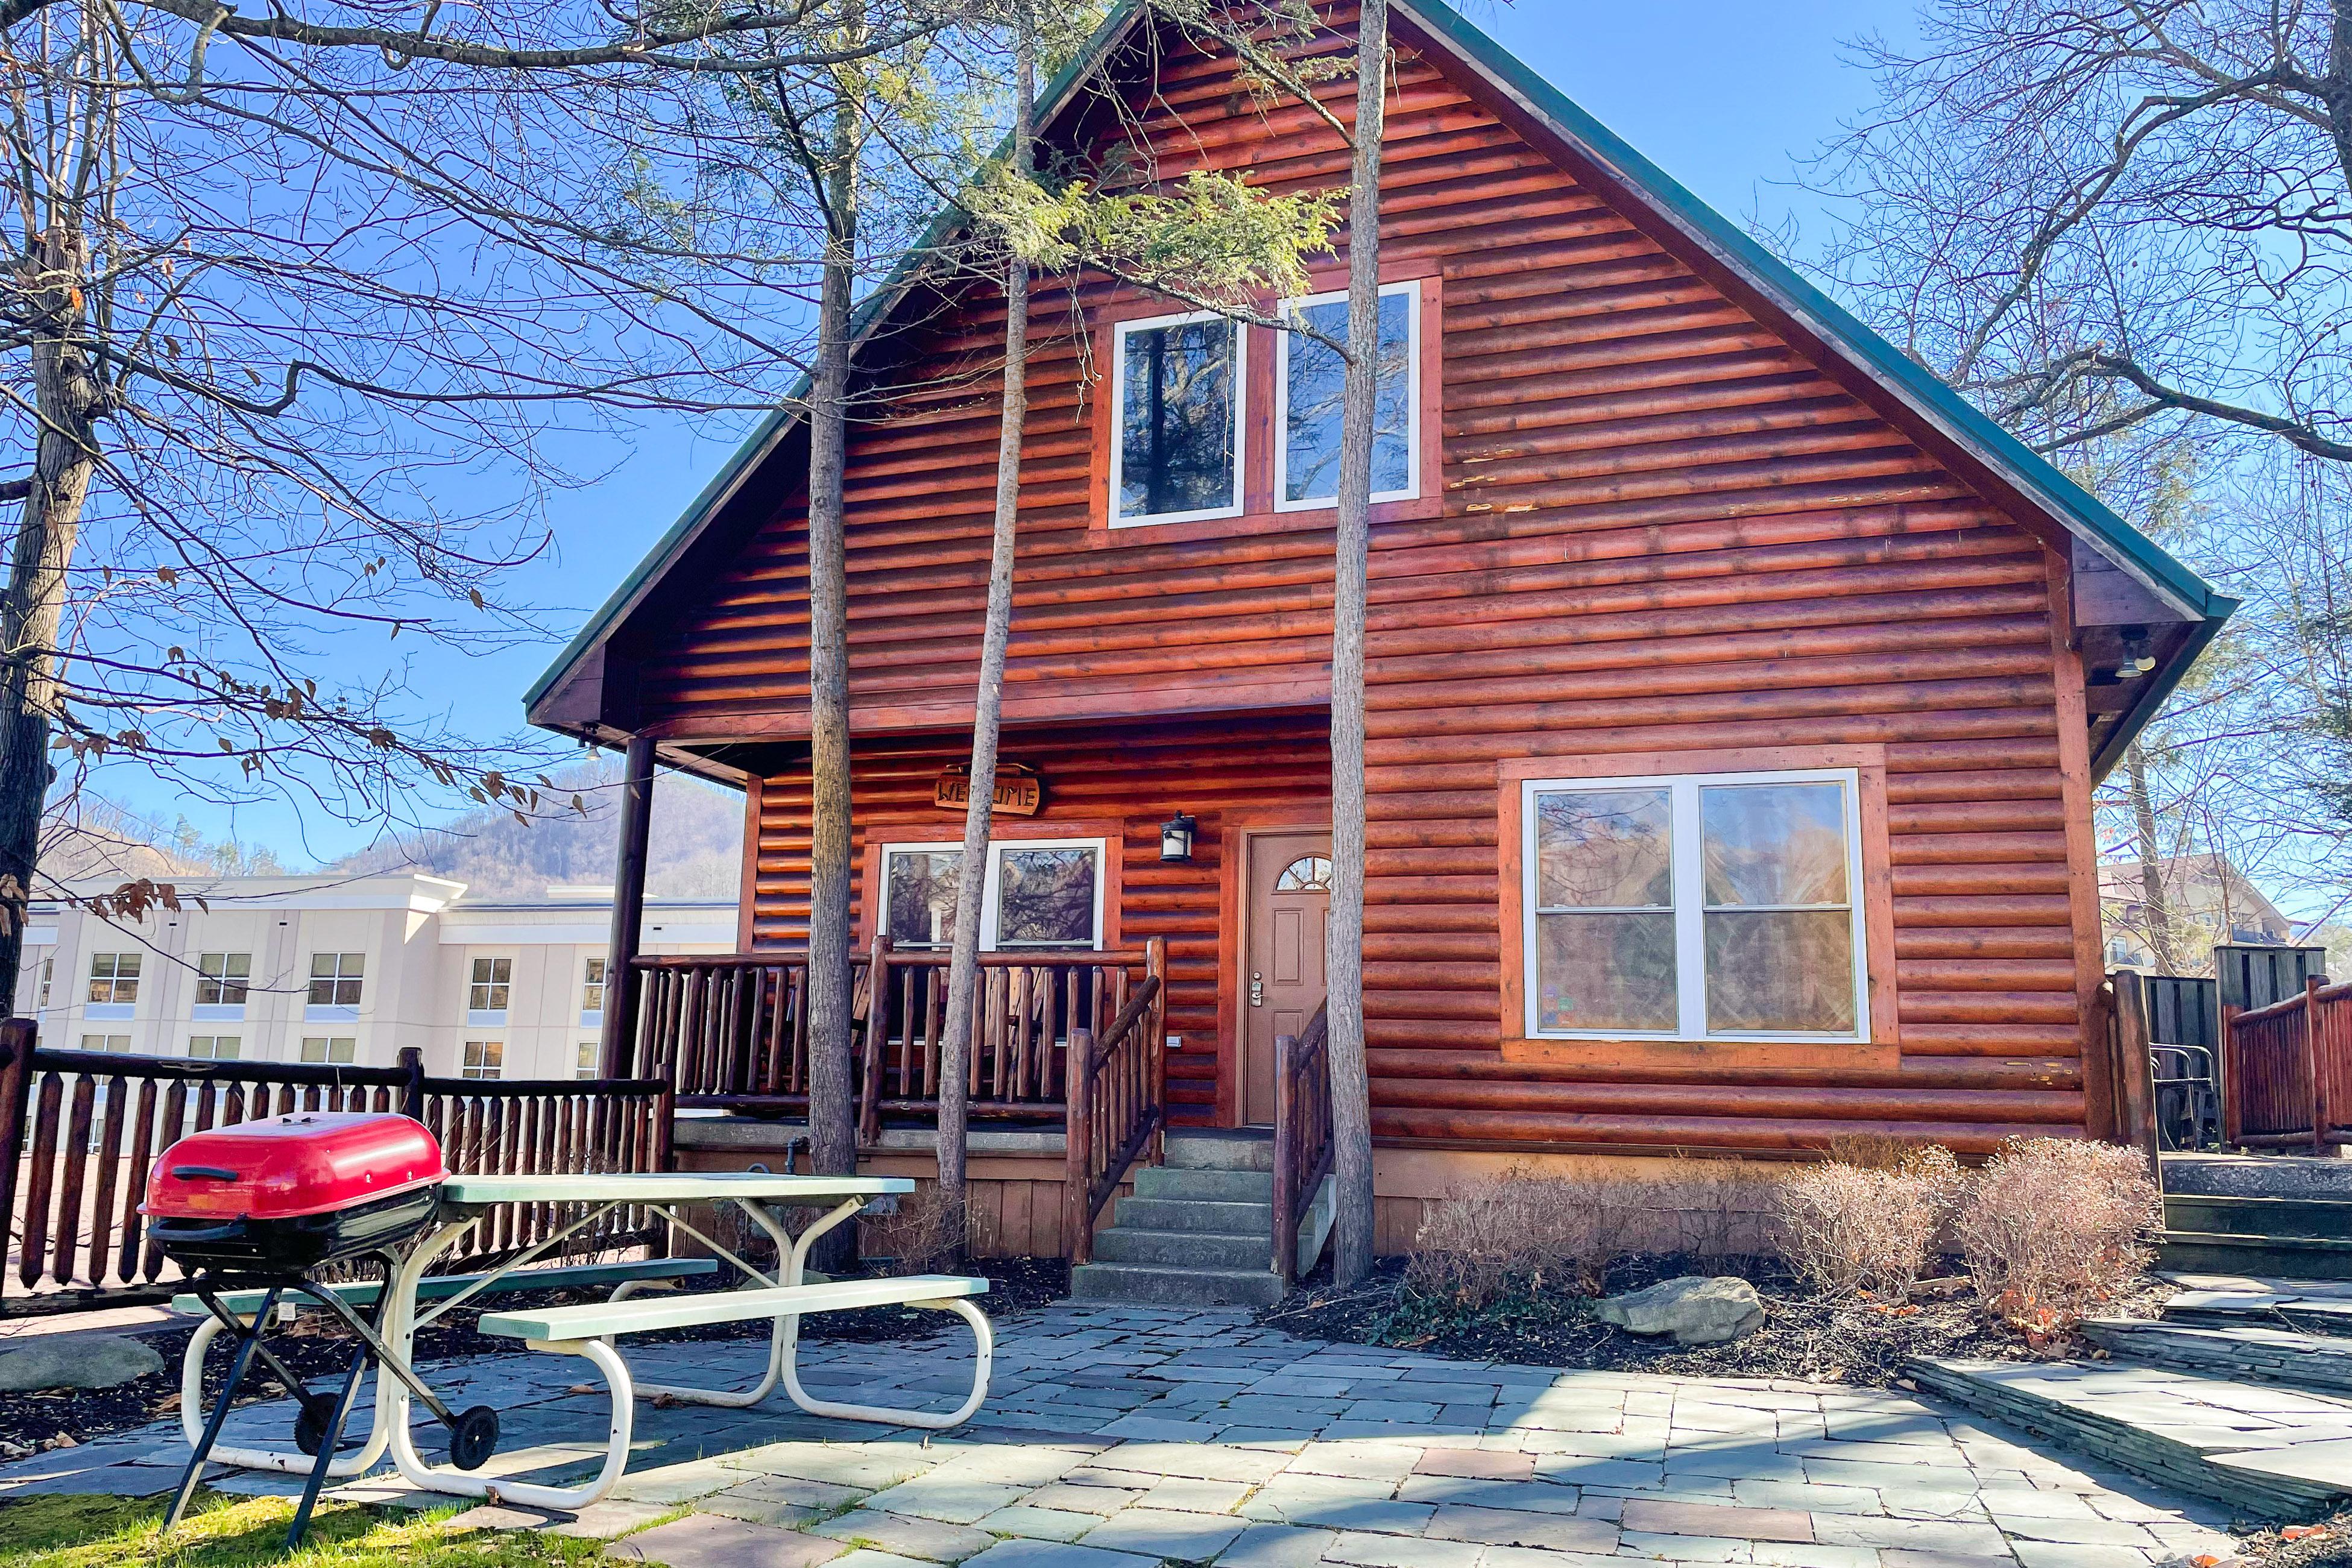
x=1725, y=97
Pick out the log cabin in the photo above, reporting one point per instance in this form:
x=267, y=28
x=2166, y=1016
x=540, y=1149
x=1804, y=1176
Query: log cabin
x=1737, y=694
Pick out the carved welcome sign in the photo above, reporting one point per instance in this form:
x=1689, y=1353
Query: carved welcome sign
x=1019, y=792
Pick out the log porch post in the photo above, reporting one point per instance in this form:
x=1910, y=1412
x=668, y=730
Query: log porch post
x=620, y=1024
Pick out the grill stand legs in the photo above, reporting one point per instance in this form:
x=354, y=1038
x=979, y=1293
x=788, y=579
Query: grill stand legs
x=249, y=1339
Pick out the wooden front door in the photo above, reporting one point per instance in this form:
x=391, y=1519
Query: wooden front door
x=1282, y=984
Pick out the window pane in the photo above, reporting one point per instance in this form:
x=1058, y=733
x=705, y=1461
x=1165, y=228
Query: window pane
x=1045, y=898
x=1315, y=384
x=1774, y=843
x=1604, y=849
x=923, y=897
x=1176, y=420
x=1784, y=970
x=1605, y=971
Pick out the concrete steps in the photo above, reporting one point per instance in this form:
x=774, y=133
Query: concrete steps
x=2321, y=1307
x=1198, y=1231
x=2288, y=1238
x=2269, y=1454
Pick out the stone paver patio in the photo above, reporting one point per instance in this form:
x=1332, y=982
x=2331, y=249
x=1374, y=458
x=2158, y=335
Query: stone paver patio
x=1123, y=1437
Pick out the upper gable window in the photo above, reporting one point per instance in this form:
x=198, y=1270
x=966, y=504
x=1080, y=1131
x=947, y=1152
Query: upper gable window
x=1177, y=454
x=1310, y=381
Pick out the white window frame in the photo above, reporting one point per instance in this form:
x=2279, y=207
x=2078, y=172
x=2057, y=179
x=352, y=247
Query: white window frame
x=992, y=884
x=211, y=1048
x=108, y=1044
x=1689, y=903
x=116, y=1009
x=488, y=1018
x=1281, y=435
x=591, y=1018
x=1118, y=415
x=327, y=1050
x=590, y=1060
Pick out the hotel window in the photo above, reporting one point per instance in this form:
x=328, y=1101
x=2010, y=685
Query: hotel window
x=339, y=1050
x=592, y=987
x=336, y=978
x=1176, y=454
x=49, y=973
x=221, y=978
x=493, y=980
x=1310, y=383
x=114, y=1044
x=113, y=979
x=1045, y=894
x=213, y=1047
x=482, y=1059
x=589, y=1060
x=1723, y=906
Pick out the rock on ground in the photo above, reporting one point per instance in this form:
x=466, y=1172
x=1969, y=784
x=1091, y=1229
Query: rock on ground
x=77, y=1361
x=1694, y=1309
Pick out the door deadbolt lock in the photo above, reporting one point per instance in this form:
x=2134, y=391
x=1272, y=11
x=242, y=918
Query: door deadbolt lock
x=1257, y=988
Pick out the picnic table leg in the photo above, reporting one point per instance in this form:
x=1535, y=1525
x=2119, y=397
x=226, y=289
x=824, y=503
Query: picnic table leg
x=400, y=1334
x=792, y=1256
x=191, y=1406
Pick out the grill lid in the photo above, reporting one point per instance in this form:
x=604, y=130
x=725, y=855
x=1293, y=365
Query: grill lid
x=309, y=1161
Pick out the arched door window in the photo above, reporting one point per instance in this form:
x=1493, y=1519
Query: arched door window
x=1307, y=874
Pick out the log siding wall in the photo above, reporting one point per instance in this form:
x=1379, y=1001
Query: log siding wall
x=1664, y=529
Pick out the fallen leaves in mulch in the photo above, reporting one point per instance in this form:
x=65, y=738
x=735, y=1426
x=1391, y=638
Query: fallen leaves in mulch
x=314, y=1348
x=1806, y=1336
x=2327, y=1544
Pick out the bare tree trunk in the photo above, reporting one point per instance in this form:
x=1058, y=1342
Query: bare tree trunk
x=1351, y=1107
x=988, y=704
x=67, y=397
x=2151, y=870
x=833, y=1123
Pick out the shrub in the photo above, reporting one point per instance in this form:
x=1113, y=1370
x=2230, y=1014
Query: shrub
x=1519, y=1233
x=2053, y=1226
x=1868, y=1224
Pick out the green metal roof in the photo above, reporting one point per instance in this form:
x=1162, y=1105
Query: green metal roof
x=2077, y=510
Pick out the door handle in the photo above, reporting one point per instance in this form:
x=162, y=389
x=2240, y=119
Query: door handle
x=1257, y=988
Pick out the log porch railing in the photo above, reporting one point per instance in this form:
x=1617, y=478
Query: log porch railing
x=2287, y=1071
x=730, y=1030
x=79, y=1131
x=1117, y=1087
x=1302, y=1134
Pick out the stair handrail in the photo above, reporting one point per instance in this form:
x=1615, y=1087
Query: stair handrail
x=1303, y=1143
x=1117, y=1094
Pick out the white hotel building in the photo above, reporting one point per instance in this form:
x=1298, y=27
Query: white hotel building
x=313, y=969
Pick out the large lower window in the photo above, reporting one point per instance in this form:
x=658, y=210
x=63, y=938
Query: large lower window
x=333, y=1051
x=1310, y=381
x=482, y=1059
x=1176, y=454
x=336, y=979
x=1045, y=894
x=1720, y=907
x=214, y=1047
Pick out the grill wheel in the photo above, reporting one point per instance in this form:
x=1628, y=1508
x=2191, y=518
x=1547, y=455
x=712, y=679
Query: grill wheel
x=474, y=1439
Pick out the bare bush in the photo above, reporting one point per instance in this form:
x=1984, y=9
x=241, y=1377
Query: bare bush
x=1517, y=1232
x=917, y=1238
x=2053, y=1226
x=1872, y=1151
x=1848, y=1224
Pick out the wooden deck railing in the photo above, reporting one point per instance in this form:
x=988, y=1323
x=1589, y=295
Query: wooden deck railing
x=80, y=1129
x=1302, y=1134
x=1118, y=1090
x=731, y=1030
x=2287, y=1070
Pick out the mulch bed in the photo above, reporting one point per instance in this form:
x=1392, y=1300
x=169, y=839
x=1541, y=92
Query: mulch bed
x=1836, y=1340
x=314, y=1348
x=2327, y=1545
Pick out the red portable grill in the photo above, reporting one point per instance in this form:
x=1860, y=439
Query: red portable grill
x=261, y=1204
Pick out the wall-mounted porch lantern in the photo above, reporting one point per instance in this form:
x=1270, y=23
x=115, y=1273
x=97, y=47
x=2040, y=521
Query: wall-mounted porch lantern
x=1176, y=837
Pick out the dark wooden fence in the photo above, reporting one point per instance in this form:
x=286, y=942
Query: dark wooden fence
x=1302, y=1145
x=79, y=1131
x=2287, y=1071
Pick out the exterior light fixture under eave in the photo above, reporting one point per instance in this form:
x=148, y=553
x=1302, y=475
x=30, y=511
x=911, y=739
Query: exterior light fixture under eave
x=1176, y=839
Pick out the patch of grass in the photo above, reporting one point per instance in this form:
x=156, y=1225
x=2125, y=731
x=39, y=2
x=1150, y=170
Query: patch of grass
x=223, y=1530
